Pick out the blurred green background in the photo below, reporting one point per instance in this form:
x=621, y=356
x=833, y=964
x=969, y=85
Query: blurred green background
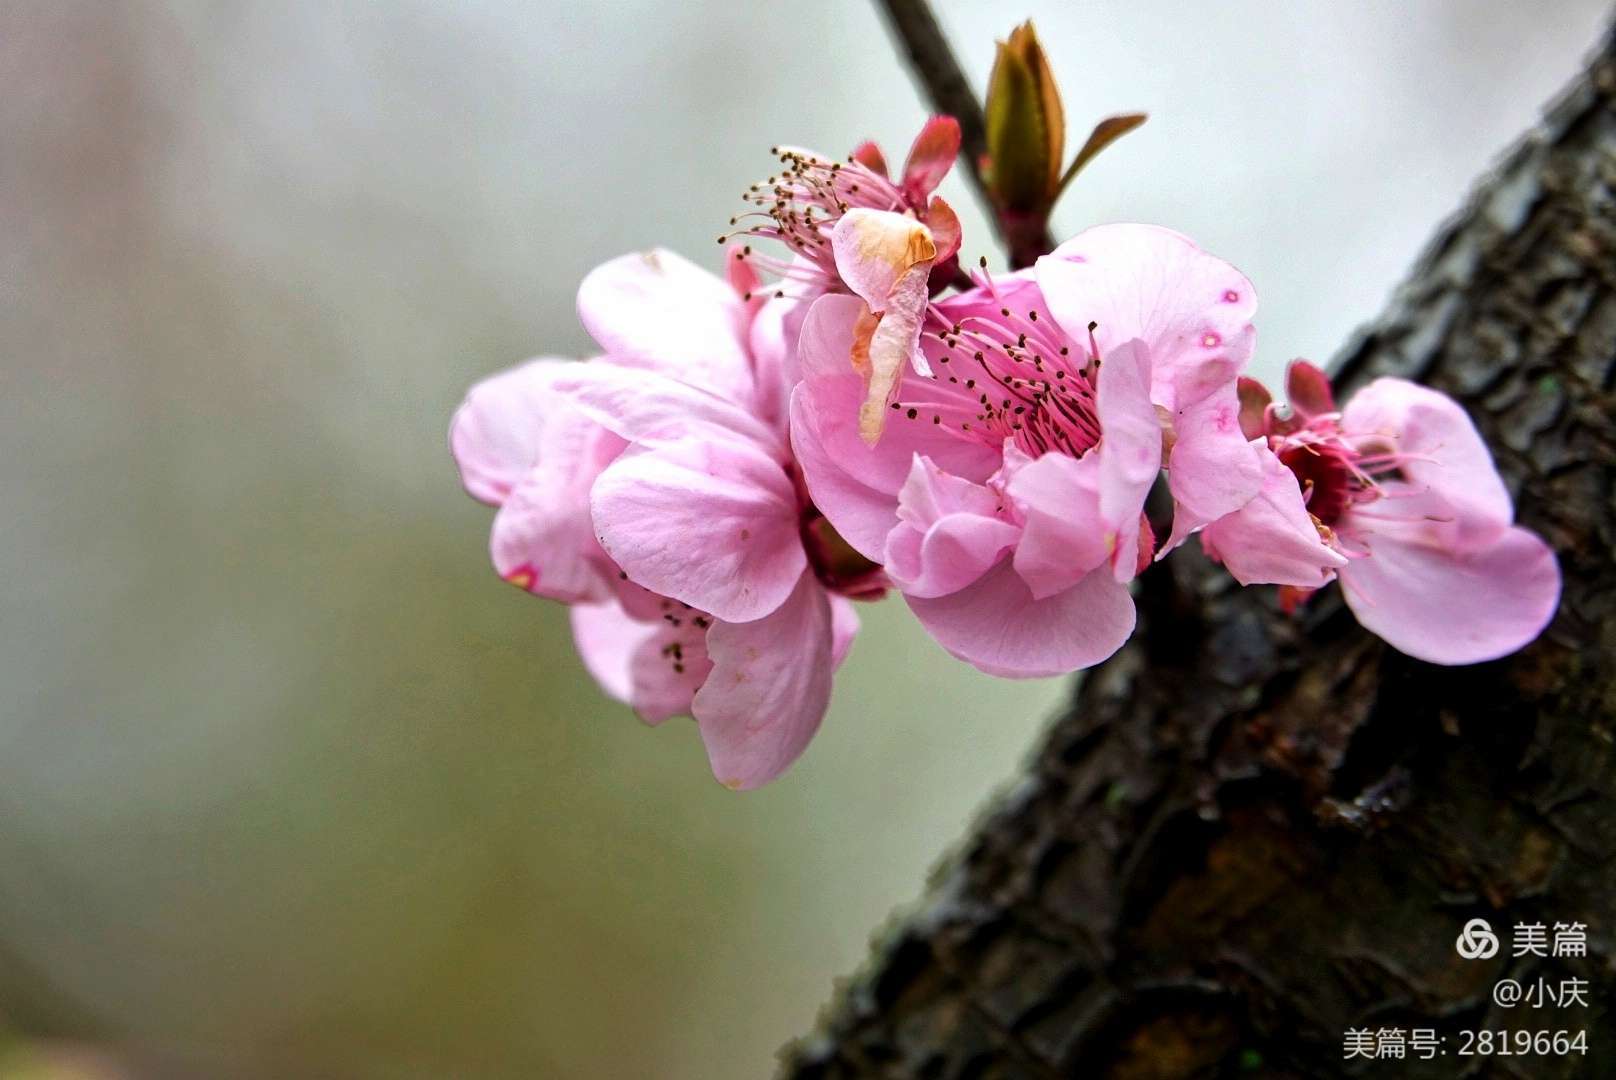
x=290, y=784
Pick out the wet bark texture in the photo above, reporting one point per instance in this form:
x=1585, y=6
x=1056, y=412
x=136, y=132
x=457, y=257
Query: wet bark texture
x=1251, y=833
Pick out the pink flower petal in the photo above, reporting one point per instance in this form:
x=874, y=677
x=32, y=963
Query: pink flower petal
x=946, y=231
x=892, y=346
x=1454, y=607
x=521, y=445
x=862, y=514
x=876, y=249
x=886, y=259
x=1255, y=401
x=833, y=391
x=1065, y=537
x=1146, y=282
x=773, y=341
x=543, y=541
x=638, y=601
x=949, y=533
x=854, y=484
x=711, y=523
x=658, y=309
x=1192, y=313
x=844, y=626
x=869, y=155
x=1441, y=451
x=1213, y=470
x=606, y=639
x=930, y=157
x=1307, y=391
x=1272, y=540
x=769, y=688
x=930, y=493
x=1130, y=449
x=1196, y=377
x=634, y=661
x=496, y=435
x=998, y=626
x=653, y=410
x=1017, y=290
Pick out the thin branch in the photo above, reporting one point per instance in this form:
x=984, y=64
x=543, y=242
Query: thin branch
x=938, y=71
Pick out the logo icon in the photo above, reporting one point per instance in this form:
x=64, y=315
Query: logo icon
x=1477, y=940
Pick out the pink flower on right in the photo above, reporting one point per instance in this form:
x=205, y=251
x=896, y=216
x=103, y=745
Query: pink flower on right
x=1398, y=496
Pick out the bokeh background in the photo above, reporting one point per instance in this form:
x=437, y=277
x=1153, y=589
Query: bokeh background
x=290, y=784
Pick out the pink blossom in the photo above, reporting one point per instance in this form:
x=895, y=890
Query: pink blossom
x=519, y=448
x=1398, y=496
x=653, y=489
x=1006, y=496
x=850, y=229
x=802, y=204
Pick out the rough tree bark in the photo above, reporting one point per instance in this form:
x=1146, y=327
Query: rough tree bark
x=1251, y=833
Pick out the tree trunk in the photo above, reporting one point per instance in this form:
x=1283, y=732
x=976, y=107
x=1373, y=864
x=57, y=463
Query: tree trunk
x=1252, y=833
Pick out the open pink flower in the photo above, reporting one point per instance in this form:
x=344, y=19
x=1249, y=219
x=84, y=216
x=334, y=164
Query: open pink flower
x=1006, y=495
x=1397, y=494
x=653, y=488
x=850, y=229
x=802, y=204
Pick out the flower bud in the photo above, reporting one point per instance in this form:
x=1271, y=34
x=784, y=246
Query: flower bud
x=1026, y=127
x=1026, y=144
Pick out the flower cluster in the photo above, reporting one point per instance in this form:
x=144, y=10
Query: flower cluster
x=749, y=454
